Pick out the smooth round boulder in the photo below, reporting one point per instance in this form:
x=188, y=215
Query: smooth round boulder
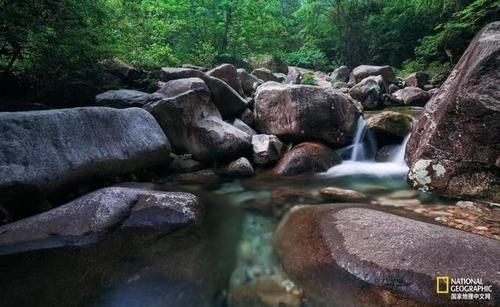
x=412, y=96
x=307, y=158
x=249, y=82
x=347, y=255
x=302, y=113
x=418, y=79
x=176, y=87
x=363, y=71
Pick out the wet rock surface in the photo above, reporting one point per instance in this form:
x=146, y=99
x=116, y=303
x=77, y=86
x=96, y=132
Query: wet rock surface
x=87, y=219
x=351, y=255
x=454, y=146
x=306, y=158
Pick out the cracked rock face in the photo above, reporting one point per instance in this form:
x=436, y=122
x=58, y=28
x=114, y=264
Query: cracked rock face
x=350, y=255
x=455, y=146
x=87, y=219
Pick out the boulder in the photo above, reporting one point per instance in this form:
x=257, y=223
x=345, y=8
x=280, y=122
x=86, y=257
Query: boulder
x=228, y=74
x=249, y=82
x=194, y=125
x=87, y=219
x=238, y=168
x=454, y=148
x=267, y=149
x=343, y=255
x=185, y=163
x=265, y=75
x=176, y=87
x=194, y=67
x=285, y=198
x=391, y=123
x=363, y=71
x=307, y=158
x=227, y=100
x=122, y=99
x=243, y=127
x=340, y=74
x=342, y=195
x=301, y=112
x=412, y=96
x=418, y=79
x=44, y=152
x=369, y=92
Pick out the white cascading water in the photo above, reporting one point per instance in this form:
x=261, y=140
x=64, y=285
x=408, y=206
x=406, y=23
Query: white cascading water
x=362, y=160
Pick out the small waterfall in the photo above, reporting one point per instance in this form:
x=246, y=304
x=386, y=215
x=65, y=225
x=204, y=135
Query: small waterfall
x=364, y=143
x=399, y=155
x=362, y=159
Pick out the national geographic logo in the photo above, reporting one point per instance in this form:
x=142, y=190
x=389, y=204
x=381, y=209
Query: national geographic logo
x=463, y=288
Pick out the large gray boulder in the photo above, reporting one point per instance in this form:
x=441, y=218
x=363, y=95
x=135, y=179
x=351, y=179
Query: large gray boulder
x=340, y=74
x=42, y=152
x=363, y=71
x=249, y=82
x=301, y=112
x=369, y=92
x=345, y=255
x=228, y=74
x=454, y=148
x=122, y=99
x=227, y=100
x=176, y=87
x=194, y=125
x=87, y=219
x=412, y=96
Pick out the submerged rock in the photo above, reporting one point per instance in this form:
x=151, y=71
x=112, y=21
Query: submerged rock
x=285, y=198
x=264, y=293
x=307, y=158
x=301, y=112
x=342, y=195
x=87, y=219
x=43, y=152
x=355, y=256
x=238, y=168
x=454, y=148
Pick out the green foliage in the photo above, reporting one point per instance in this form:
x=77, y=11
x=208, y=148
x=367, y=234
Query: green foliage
x=51, y=40
x=308, y=79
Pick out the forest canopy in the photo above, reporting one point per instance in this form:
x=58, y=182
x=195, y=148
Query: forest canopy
x=53, y=39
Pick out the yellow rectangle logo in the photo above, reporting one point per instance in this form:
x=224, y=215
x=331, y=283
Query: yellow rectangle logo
x=442, y=284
